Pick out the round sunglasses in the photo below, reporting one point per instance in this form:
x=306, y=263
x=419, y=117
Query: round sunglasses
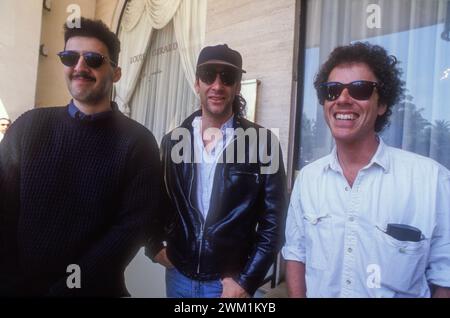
x=92, y=59
x=360, y=90
x=208, y=75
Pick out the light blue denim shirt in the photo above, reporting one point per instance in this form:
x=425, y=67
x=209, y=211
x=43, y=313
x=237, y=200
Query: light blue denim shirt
x=339, y=231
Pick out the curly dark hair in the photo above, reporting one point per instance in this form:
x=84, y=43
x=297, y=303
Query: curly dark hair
x=95, y=29
x=383, y=66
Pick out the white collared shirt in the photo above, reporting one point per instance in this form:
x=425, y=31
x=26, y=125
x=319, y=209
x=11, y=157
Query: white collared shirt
x=338, y=231
x=207, y=162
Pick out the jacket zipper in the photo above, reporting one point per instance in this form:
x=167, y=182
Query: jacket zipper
x=200, y=250
x=202, y=228
x=200, y=238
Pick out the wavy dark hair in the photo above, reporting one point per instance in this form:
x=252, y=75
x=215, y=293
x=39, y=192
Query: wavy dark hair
x=95, y=29
x=239, y=106
x=384, y=67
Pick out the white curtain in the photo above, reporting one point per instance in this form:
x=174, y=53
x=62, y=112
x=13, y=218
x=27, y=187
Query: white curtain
x=189, y=23
x=143, y=16
x=163, y=97
x=131, y=59
x=138, y=21
x=411, y=30
x=160, y=12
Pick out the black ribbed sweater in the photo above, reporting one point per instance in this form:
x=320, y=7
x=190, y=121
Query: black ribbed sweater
x=74, y=192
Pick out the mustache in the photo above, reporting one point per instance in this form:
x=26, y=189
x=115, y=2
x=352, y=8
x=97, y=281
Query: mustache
x=83, y=75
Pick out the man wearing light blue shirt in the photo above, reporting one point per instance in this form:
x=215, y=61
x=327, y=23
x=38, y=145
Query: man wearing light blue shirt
x=368, y=220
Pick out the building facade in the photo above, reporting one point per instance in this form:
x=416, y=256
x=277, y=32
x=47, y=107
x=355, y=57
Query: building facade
x=282, y=43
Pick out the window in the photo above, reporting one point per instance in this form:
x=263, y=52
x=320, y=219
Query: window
x=160, y=42
x=417, y=33
x=163, y=97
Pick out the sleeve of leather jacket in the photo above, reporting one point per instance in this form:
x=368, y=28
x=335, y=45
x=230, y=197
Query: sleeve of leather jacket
x=270, y=230
x=158, y=224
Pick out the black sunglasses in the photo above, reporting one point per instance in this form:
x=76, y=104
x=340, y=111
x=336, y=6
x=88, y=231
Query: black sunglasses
x=208, y=75
x=360, y=90
x=92, y=59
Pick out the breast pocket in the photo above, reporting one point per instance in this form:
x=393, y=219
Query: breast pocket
x=252, y=177
x=402, y=263
x=242, y=186
x=318, y=235
x=245, y=177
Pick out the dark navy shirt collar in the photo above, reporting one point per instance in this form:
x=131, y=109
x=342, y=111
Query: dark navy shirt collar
x=74, y=112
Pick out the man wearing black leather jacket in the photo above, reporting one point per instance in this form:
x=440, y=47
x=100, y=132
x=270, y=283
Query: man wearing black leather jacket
x=223, y=221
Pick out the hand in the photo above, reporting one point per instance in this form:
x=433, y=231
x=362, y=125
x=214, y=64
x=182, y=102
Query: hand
x=162, y=258
x=231, y=289
x=441, y=292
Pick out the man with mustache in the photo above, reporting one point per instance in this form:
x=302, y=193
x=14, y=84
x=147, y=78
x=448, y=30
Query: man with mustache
x=78, y=183
x=226, y=211
x=4, y=125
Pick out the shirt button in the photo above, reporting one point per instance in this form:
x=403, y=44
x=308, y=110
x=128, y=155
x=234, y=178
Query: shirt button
x=349, y=250
x=347, y=189
x=351, y=218
x=402, y=250
x=348, y=282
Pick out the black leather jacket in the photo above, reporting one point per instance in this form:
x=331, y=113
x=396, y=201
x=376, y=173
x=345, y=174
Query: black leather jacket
x=244, y=228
